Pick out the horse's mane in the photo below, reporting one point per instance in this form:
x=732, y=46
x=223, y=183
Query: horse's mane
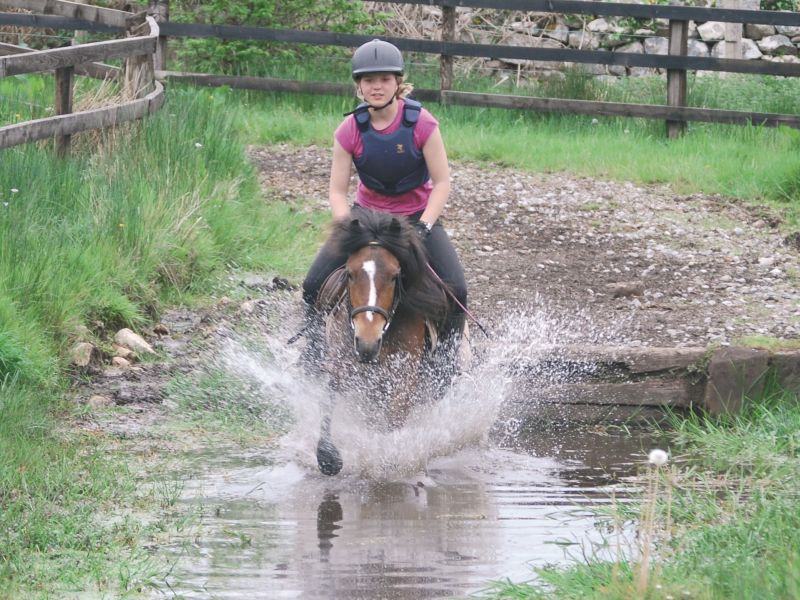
x=423, y=295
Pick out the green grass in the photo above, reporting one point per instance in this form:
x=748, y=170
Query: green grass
x=53, y=491
x=758, y=165
x=228, y=406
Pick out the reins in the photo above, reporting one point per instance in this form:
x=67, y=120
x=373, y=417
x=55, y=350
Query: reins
x=450, y=293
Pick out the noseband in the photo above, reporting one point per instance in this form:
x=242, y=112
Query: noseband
x=387, y=315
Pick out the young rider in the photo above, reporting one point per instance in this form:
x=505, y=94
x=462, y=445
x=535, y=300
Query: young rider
x=398, y=152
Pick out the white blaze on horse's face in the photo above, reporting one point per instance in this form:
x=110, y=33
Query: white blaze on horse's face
x=369, y=269
x=372, y=279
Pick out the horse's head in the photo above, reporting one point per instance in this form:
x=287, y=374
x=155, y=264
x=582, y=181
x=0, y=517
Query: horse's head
x=386, y=265
x=373, y=284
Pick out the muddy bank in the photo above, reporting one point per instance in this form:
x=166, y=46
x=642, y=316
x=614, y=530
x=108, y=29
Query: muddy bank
x=612, y=263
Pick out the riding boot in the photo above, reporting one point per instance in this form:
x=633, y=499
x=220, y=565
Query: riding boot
x=311, y=355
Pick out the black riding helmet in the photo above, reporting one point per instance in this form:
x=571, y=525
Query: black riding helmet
x=377, y=56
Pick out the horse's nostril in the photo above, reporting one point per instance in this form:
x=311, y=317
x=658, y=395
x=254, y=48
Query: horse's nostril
x=367, y=351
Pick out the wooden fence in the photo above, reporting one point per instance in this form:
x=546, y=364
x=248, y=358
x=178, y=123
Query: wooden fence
x=139, y=81
x=675, y=112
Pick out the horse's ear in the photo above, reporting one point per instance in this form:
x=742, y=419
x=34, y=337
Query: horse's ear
x=395, y=226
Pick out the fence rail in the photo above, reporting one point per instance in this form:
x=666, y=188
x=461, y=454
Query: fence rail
x=676, y=113
x=147, y=94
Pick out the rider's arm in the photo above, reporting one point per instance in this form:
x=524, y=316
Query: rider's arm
x=436, y=160
x=340, y=181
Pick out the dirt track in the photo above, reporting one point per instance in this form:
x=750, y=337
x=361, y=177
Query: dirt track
x=607, y=262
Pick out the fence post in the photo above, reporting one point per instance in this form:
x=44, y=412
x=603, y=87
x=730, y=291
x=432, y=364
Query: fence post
x=733, y=33
x=676, y=78
x=448, y=35
x=138, y=71
x=63, y=101
x=159, y=10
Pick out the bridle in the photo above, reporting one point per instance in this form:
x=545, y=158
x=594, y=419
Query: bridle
x=387, y=315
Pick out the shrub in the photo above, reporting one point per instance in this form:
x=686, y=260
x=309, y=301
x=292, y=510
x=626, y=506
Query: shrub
x=213, y=55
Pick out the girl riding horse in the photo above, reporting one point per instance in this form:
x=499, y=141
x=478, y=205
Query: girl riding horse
x=383, y=311
x=398, y=152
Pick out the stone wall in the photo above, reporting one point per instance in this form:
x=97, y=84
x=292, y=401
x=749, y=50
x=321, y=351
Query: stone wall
x=758, y=42
x=548, y=30
x=717, y=379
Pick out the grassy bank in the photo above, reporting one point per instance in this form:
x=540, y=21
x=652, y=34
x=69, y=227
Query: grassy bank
x=726, y=517
x=157, y=214
x=148, y=217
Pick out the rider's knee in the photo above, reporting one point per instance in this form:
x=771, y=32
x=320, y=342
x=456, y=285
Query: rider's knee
x=310, y=291
x=460, y=292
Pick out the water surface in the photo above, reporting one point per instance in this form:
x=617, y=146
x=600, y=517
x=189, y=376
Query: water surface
x=482, y=514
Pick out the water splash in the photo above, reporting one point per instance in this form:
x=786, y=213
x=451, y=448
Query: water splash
x=462, y=417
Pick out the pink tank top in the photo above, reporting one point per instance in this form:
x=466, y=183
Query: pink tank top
x=348, y=135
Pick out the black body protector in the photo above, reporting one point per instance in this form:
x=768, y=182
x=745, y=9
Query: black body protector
x=391, y=164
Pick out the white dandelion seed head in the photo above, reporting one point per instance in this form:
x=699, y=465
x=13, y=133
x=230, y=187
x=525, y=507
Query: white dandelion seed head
x=14, y=190
x=657, y=457
x=198, y=145
x=595, y=121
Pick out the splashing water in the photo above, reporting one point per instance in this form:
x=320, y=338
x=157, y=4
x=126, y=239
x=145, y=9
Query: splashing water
x=461, y=418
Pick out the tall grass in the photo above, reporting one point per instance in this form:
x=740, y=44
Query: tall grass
x=105, y=236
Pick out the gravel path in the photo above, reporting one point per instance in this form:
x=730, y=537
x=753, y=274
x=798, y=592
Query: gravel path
x=611, y=262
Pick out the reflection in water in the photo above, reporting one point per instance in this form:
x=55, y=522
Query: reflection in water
x=472, y=517
x=329, y=513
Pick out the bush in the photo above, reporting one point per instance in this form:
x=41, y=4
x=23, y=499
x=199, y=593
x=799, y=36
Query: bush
x=258, y=58
x=779, y=5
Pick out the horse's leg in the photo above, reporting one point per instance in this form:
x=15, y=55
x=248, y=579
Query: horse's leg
x=328, y=457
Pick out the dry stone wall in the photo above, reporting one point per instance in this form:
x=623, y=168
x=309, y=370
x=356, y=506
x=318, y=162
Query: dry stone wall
x=547, y=30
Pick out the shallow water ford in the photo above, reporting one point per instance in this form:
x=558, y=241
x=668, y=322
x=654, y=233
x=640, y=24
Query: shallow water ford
x=460, y=496
x=482, y=514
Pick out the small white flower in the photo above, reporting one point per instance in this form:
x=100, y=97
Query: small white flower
x=198, y=145
x=627, y=131
x=595, y=121
x=5, y=204
x=14, y=190
x=657, y=457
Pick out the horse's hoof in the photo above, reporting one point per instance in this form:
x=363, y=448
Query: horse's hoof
x=328, y=457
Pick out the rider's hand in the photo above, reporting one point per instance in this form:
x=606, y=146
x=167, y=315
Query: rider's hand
x=423, y=230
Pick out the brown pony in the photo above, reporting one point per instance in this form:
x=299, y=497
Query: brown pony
x=383, y=309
